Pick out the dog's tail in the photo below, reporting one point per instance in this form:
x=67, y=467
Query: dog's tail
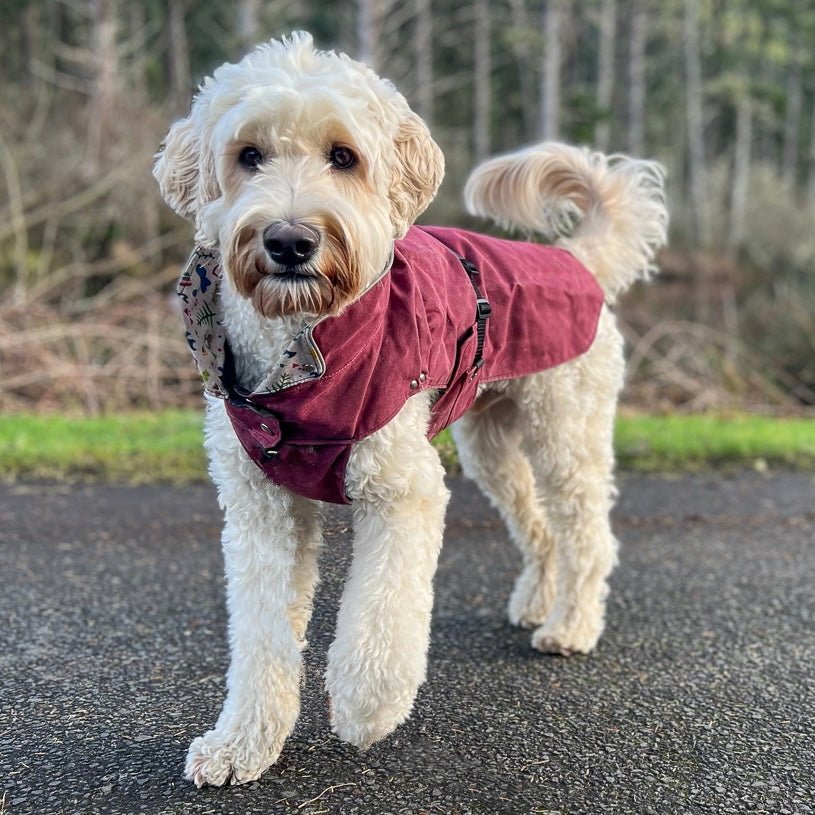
x=608, y=211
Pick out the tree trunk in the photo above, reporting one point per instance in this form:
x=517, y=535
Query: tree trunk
x=179, y=57
x=105, y=78
x=636, y=78
x=30, y=41
x=248, y=22
x=369, y=32
x=483, y=71
x=550, y=75
x=736, y=230
x=605, y=72
x=792, y=121
x=424, y=60
x=521, y=50
x=741, y=174
x=138, y=45
x=811, y=184
x=697, y=170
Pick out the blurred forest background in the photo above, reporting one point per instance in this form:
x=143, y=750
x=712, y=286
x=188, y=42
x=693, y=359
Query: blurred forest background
x=721, y=91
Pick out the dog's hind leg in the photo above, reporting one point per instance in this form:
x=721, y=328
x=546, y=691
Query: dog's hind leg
x=305, y=573
x=568, y=425
x=488, y=439
x=379, y=656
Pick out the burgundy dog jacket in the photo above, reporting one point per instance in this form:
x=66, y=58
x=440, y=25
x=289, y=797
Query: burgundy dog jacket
x=424, y=324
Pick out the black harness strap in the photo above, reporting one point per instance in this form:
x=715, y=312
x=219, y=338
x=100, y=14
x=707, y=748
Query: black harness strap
x=483, y=309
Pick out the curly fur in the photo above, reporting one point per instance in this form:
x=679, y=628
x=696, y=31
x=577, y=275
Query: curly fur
x=540, y=447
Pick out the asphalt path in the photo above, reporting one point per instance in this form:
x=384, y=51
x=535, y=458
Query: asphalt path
x=699, y=699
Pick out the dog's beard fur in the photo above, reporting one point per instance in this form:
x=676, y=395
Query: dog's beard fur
x=322, y=286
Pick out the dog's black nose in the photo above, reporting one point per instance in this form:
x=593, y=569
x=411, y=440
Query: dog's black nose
x=290, y=244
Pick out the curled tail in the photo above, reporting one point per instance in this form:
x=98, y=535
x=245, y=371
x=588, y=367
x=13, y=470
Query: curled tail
x=608, y=211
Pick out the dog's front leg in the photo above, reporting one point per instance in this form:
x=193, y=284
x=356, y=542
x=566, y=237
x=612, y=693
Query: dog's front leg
x=270, y=541
x=379, y=656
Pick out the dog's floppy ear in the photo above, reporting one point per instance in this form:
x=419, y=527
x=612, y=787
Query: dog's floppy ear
x=185, y=169
x=417, y=172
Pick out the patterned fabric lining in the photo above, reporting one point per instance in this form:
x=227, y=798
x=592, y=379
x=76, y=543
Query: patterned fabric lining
x=301, y=362
x=198, y=288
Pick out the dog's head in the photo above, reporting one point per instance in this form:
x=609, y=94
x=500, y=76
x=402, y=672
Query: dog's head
x=301, y=167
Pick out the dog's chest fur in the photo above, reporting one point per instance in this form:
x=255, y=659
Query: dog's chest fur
x=256, y=342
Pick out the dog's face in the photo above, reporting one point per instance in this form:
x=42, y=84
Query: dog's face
x=301, y=167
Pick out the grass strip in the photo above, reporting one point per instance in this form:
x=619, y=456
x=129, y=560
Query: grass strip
x=132, y=447
x=697, y=442
x=166, y=446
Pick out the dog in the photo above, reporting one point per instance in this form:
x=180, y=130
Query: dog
x=303, y=173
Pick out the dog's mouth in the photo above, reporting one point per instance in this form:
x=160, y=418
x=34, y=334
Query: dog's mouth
x=293, y=274
x=300, y=273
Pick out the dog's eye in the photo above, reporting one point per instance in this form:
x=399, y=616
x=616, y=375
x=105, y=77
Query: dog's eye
x=342, y=158
x=251, y=158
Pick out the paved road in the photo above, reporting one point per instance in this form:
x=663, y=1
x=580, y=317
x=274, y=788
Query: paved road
x=700, y=698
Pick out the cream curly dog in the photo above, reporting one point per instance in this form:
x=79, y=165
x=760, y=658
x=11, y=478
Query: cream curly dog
x=303, y=172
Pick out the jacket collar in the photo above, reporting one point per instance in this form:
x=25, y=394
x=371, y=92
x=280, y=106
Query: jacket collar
x=199, y=288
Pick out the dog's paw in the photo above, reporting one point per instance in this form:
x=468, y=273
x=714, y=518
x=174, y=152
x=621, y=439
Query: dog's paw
x=363, y=731
x=217, y=758
x=567, y=637
x=359, y=719
x=531, y=599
